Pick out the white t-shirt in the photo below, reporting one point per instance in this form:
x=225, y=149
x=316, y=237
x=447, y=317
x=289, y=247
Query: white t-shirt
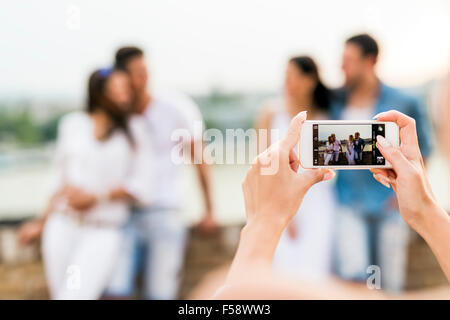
x=357, y=113
x=99, y=166
x=165, y=114
x=337, y=145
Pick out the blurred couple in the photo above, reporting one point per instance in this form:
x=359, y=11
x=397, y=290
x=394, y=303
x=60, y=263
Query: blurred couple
x=115, y=206
x=354, y=149
x=334, y=234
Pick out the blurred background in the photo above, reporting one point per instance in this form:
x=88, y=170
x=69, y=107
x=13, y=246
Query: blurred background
x=228, y=56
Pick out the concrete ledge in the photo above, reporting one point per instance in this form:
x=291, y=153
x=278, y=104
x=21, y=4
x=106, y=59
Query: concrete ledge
x=22, y=276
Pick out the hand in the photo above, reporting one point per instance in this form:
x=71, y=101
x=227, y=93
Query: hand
x=30, y=231
x=407, y=175
x=120, y=194
x=79, y=200
x=292, y=230
x=273, y=190
x=207, y=225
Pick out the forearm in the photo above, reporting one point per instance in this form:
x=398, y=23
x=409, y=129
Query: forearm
x=435, y=229
x=51, y=205
x=203, y=175
x=121, y=194
x=256, y=249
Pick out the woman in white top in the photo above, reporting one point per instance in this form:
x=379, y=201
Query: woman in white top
x=350, y=152
x=102, y=159
x=305, y=247
x=329, y=149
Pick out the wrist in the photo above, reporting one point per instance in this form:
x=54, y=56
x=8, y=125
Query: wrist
x=259, y=241
x=269, y=222
x=261, y=238
x=431, y=218
x=103, y=197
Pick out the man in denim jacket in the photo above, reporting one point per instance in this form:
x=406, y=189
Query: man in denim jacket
x=369, y=228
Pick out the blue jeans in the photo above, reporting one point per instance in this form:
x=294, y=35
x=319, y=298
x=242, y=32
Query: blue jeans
x=358, y=155
x=364, y=239
x=154, y=243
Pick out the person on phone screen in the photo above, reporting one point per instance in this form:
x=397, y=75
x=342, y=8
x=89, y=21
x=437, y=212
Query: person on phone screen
x=359, y=145
x=370, y=231
x=350, y=151
x=337, y=148
x=328, y=153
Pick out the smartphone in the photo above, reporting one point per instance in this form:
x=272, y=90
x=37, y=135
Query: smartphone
x=341, y=144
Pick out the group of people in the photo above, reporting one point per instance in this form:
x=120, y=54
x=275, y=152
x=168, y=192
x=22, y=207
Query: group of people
x=115, y=206
x=353, y=149
x=343, y=227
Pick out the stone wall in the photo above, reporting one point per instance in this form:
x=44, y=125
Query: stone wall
x=22, y=276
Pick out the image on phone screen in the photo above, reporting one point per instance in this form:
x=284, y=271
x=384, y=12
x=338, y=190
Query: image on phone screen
x=347, y=145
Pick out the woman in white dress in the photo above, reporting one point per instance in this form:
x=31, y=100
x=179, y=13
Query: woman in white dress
x=102, y=162
x=350, y=152
x=305, y=247
x=329, y=149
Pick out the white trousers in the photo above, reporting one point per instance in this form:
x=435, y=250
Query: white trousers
x=327, y=158
x=78, y=259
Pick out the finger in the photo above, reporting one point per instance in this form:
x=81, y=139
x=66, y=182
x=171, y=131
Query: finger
x=393, y=155
x=312, y=176
x=293, y=134
x=408, y=133
x=382, y=179
x=293, y=160
x=389, y=173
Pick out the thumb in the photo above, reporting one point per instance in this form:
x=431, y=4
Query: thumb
x=312, y=176
x=392, y=154
x=293, y=134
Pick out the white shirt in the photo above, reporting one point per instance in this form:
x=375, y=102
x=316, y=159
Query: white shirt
x=438, y=172
x=337, y=145
x=99, y=166
x=357, y=113
x=165, y=114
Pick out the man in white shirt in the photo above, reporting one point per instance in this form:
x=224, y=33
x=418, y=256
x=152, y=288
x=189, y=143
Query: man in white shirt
x=156, y=236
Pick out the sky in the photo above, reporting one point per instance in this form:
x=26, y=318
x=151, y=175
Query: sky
x=49, y=47
x=343, y=131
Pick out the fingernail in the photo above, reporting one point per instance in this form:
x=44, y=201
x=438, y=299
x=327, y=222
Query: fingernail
x=377, y=115
x=382, y=180
x=302, y=115
x=329, y=175
x=383, y=142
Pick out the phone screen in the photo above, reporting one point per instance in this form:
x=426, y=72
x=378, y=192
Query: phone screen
x=347, y=144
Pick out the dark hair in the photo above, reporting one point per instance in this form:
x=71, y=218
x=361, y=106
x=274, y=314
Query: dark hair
x=321, y=94
x=366, y=43
x=124, y=55
x=97, y=100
